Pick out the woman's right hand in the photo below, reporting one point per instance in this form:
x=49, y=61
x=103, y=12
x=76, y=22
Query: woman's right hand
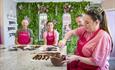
x=62, y=43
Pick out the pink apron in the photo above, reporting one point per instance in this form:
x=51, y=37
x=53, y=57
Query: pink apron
x=23, y=37
x=50, y=39
x=77, y=65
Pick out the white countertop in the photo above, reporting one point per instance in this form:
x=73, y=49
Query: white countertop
x=22, y=60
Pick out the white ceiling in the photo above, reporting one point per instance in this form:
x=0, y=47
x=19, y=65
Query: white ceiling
x=93, y=1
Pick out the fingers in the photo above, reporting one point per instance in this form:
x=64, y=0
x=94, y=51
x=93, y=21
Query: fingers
x=61, y=43
x=65, y=61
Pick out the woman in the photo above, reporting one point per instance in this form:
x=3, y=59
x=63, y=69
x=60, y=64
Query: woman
x=94, y=44
x=24, y=35
x=51, y=35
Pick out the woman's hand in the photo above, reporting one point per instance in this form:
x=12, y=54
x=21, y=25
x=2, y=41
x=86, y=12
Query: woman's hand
x=71, y=58
x=62, y=43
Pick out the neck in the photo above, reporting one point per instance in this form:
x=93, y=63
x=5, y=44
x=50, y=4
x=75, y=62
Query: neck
x=95, y=29
x=24, y=28
x=50, y=30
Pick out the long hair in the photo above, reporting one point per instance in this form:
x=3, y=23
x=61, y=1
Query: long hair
x=101, y=16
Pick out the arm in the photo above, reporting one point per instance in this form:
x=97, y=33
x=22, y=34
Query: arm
x=86, y=60
x=67, y=36
x=56, y=38
x=16, y=39
x=31, y=40
x=44, y=38
x=31, y=35
x=99, y=54
x=81, y=59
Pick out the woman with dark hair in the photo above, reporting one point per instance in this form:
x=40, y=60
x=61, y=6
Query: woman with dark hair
x=94, y=43
x=51, y=36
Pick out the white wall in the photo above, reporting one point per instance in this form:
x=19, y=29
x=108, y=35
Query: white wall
x=108, y=4
x=111, y=23
x=8, y=7
x=1, y=18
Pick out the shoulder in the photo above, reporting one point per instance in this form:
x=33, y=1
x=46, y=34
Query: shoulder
x=81, y=28
x=45, y=33
x=18, y=30
x=30, y=30
x=79, y=31
x=104, y=34
x=56, y=32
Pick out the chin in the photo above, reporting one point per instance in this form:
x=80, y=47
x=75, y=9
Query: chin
x=88, y=30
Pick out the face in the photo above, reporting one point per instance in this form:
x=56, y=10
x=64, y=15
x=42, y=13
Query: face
x=79, y=21
x=25, y=23
x=50, y=26
x=89, y=24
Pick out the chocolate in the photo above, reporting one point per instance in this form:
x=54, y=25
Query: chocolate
x=47, y=57
x=37, y=57
x=57, y=61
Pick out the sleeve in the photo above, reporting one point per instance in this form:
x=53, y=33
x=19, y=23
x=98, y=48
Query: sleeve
x=31, y=33
x=16, y=34
x=79, y=31
x=101, y=51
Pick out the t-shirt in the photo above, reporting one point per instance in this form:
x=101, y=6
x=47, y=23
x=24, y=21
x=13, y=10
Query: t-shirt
x=29, y=30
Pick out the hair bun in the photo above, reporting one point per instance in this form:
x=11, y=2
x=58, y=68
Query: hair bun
x=27, y=18
x=96, y=8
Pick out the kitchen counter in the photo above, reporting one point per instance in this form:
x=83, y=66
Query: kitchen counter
x=22, y=60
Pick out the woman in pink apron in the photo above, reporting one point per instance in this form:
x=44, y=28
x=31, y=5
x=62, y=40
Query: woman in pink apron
x=51, y=35
x=24, y=35
x=94, y=44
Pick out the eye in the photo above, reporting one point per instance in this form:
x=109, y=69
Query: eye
x=86, y=22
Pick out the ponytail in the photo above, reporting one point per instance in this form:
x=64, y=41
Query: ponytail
x=99, y=14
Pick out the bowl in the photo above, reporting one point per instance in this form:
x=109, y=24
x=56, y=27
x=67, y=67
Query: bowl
x=57, y=61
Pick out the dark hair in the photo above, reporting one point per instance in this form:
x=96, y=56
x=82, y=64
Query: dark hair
x=79, y=15
x=49, y=22
x=101, y=16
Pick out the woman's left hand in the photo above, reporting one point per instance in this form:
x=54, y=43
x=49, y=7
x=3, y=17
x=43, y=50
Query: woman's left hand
x=71, y=58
